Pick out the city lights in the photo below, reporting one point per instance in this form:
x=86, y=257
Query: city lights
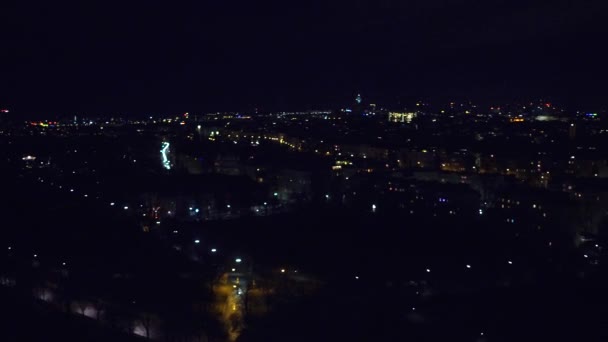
x=164, y=155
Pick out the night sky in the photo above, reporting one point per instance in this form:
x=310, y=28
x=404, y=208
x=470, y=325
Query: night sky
x=158, y=56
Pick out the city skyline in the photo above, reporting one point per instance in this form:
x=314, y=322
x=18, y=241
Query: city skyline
x=240, y=56
x=345, y=170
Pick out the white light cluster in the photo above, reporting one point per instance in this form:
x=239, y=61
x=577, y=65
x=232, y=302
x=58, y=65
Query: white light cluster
x=165, y=159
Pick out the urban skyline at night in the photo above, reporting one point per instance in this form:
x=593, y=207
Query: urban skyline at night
x=420, y=170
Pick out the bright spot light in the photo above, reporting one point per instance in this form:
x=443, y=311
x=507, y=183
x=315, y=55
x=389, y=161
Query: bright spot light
x=276, y=194
x=238, y=260
x=374, y=206
x=468, y=266
x=35, y=255
x=357, y=277
x=228, y=206
x=428, y=270
x=234, y=270
x=112, y=203
x=196, y=210
x=413, y=309
x=197, y=241
x=63, y=263
x=175, y=232
x=282, y=270
x=510, y=262
x=126, y=207
x=213, y=250
x=234, y=286
x=9, y=248
x=71, y=190
x=326, y=196
x=586, y=256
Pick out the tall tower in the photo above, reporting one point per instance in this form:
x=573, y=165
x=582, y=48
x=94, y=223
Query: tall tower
x=358, y=106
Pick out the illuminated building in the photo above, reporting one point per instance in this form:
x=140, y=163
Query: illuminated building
x=401, y=116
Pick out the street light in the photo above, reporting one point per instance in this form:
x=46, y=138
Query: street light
x=238, y=260
x=197, y=241
x=213, y=250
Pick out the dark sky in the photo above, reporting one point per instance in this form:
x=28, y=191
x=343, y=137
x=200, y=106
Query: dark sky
x=157, y=56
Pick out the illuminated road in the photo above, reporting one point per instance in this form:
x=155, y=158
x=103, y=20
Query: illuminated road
x=163, y=153
x=229, y=293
